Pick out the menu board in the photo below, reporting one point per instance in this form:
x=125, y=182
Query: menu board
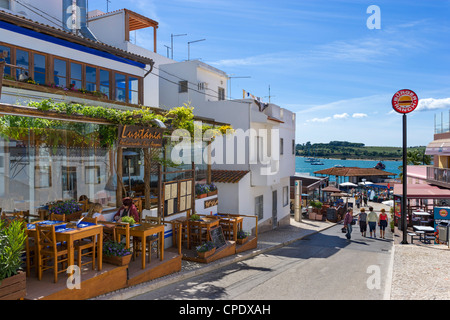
x=217, y=237
x=177, y=196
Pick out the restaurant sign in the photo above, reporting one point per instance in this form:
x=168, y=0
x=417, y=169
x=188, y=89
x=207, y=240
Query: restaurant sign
x=405, y=101
x=140, y=137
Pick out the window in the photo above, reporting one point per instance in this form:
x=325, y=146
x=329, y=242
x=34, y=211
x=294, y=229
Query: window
x=69, y=182
x=259, y=207
x=39, y=68
x=293, y=146
x=285, y=196
x=92, y=174
x=7, y=59
x=75, y=76
x=42, y=176
x=91, y=78
x=60, y=72
x=5, y=4
x=22, y=61
x=133, y=90
x=120, y=87
x=104, y=82
x=221, y=93
x=182, y=86
x=281, y=145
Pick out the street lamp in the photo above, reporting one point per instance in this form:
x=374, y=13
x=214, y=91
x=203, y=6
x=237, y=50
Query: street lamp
x=171, y=40
x=189, y=44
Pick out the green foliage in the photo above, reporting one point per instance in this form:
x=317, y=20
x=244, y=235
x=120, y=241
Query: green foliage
x=129, y=220
x=12, y=242
x=316, y=204
x=205, y=247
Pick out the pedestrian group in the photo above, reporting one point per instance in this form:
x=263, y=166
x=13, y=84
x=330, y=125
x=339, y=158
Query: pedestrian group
x=365, y=220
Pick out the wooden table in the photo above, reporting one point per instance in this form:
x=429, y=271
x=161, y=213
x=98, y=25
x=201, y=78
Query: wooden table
x=144, y=230
x=77, y=234
x=207, y=223
x=236, y=222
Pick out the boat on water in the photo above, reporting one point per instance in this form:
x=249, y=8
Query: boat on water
x=309, y=159
x=316, y=162
x=380, y=165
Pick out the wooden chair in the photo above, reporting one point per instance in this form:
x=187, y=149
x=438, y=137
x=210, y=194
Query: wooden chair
x=57, y=217
x=153, y=238
x=84, y=205
x=31, y=255
x=227, y=228
x=138, y=203
x=122, y=229
x=89, y=244
x=48, y=249
x=149, y=240
x=197, y=232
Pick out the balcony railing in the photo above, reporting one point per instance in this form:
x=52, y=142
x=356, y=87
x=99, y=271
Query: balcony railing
x=440, y=176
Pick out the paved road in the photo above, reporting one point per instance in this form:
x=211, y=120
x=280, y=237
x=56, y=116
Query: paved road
x=321, y=266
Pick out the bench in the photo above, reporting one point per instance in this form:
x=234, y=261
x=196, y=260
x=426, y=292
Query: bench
x=427, y=239
x=412, y=235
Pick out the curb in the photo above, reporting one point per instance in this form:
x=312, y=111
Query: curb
x=130, y=292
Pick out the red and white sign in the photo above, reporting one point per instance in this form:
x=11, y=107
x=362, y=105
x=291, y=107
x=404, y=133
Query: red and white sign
x=405, y=101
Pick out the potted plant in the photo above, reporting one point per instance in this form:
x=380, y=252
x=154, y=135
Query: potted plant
x=242, y=236
x=71, y=208
x=206, y=249
x=12, y=278
x=212, y=190
x=194, y=217
x=201, y=190
x=116, y=253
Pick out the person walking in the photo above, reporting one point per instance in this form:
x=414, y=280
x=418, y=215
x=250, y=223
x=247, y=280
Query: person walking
x=348, y=223
x=383, y=219
x=372, y=219
x=362, y=219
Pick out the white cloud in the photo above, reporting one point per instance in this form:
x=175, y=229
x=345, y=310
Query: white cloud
x=341, y=116
x=319, y=119
x=359, y=115
x=433, y=104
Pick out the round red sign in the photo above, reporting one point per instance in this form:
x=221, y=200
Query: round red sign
x=405, y=101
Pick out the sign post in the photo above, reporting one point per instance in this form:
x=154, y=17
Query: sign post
x=404, y=101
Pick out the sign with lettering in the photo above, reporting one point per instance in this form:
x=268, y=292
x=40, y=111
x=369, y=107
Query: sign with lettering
x=140, y=137
x=217, y=237
x=405, y=101
x=211, y=202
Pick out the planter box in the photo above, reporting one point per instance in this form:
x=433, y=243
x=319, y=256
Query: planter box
x=242, y=241
x=203, y=195
x=206, y=254
x=117, y=261
x=212, y=193
x=14, y=288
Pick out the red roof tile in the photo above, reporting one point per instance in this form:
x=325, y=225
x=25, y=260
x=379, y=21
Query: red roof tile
x=228, y=176
x=354, y=172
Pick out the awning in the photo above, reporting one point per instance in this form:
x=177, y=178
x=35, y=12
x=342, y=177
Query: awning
x=438, y=147
x=422, y=191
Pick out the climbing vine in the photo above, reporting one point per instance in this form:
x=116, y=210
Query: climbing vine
x=82, y=134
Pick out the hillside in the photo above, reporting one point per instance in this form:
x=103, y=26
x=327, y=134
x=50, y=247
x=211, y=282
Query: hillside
x=350, y=150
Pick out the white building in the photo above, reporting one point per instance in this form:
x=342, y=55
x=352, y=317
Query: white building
x=248, y=183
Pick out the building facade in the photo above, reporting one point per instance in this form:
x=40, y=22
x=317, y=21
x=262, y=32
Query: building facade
x=263, y=143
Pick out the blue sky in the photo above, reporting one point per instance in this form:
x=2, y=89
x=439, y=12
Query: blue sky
x=319, y=58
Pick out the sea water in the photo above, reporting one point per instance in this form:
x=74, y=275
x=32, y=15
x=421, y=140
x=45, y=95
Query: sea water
x=307, y=168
